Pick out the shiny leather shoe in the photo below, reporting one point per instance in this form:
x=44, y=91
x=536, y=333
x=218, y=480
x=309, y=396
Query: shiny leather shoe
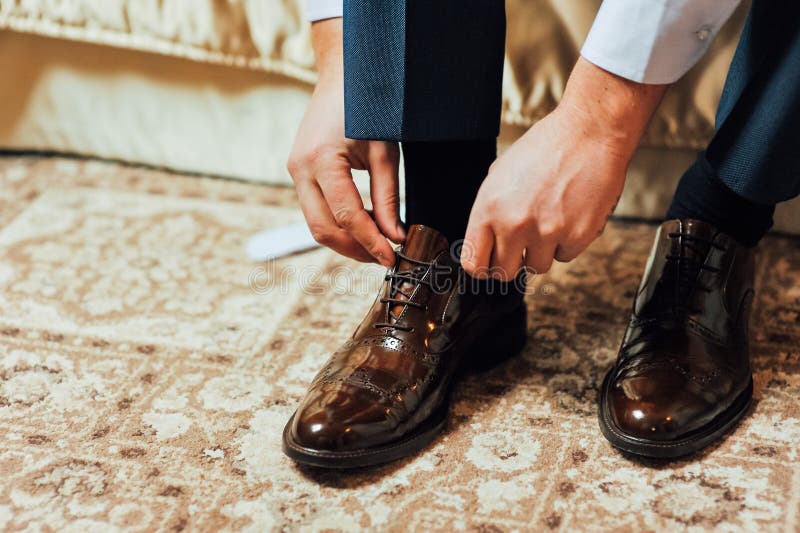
x=385, y=393
x=682, y=378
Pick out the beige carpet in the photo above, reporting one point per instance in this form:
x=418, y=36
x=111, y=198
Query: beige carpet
x=147, y=369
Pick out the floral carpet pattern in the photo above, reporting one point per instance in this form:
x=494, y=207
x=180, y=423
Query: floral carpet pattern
x=147, y=369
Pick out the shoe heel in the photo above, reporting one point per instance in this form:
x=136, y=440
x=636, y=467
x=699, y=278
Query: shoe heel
x=500, y=343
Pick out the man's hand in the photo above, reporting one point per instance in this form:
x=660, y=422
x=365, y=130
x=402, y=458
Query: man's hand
x=550, y=194
x=322, y=158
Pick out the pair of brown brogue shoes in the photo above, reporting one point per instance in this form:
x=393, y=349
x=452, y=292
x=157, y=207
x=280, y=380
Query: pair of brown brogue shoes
x=682, y=378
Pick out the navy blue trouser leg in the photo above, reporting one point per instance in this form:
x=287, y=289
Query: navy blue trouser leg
x=756, y=149
x=753, y=160
x=423, y=70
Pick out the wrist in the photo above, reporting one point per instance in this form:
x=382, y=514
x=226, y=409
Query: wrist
x=610, y=109
x=327, y=41
x=330, y=81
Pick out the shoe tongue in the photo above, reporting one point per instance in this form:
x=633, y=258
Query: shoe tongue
x=422, y=244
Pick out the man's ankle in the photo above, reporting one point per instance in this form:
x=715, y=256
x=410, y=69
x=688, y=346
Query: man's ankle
x=701, y=195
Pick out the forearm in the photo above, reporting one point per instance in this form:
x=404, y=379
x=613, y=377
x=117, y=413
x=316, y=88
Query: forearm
x=609, y=107
x=327, y=41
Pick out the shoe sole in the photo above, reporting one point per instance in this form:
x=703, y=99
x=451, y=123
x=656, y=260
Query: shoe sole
x=428, y=430
x=695, y=441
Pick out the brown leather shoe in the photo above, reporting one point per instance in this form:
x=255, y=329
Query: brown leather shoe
x=682, y=377
x=385, y=393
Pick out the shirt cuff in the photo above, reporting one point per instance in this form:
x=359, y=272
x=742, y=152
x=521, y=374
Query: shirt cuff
x=323, y=9
x=654, y=41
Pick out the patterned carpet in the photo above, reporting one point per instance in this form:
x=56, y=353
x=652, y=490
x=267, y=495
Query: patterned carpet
x=147, y=369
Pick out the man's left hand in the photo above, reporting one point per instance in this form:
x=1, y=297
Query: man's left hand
x=547, y=197
x=550, y=194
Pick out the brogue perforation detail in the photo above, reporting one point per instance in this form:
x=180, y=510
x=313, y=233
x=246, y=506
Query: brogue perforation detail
x=390, y=343
x=674, y=364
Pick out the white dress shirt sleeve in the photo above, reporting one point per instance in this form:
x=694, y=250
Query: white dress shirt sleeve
x=654, y=41
x=323, y=9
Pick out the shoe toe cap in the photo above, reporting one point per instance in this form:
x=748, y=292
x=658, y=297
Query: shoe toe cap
x=331, y=419
x=659, y=404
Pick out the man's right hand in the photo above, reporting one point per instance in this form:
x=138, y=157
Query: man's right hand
x=321, y=163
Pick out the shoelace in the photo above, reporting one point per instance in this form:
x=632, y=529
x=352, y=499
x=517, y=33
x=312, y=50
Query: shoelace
x=685, y=276
x=416, y=276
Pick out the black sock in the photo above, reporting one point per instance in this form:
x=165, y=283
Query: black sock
x=442, y=180
x=703, y=196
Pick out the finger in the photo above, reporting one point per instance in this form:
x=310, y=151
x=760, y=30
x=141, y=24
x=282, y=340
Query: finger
x=384, y=160
x=348, y=211
x=539, y=257
x=476, y=253
x=565, y=254
x=324, y=228
x=507, y=256
x=577, y=243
